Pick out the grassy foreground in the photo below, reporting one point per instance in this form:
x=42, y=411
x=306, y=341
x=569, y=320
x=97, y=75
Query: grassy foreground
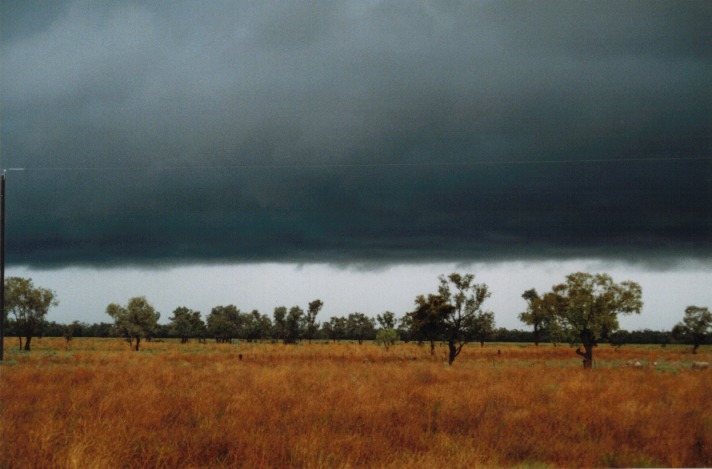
x=94, y=403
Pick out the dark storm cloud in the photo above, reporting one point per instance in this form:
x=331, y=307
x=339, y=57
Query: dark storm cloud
x=356, y=131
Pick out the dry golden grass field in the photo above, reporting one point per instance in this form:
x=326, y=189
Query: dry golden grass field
x=94, y=403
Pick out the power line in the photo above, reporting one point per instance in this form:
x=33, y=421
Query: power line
x=268, y=166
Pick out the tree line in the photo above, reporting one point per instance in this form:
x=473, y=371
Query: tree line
x=79, y=329
x=582, y=310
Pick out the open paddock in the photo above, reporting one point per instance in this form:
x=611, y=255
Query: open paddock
x=95, y=403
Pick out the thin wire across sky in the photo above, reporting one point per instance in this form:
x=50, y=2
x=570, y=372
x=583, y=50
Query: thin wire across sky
x=362, y=165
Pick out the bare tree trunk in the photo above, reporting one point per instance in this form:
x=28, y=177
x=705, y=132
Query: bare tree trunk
x=138, y=341
x=27, y=343
x=19, y=337
x=589, y=341
x=453, y=352
x=432, y=348
x=587, y=355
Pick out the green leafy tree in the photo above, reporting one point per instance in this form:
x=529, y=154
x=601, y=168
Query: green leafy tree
x=386, y=337
x=695, y=326
x=454, y=314
x=481, y=327
x=406, y=329
x=280, y=323
x=257, y=326
x=186, y=324
x=360, y=327
x=336, y=328
x=311, y=326
x=556, y=330
x=102, y=329
x=326, y=331
x=535, y=315
x=295, y=323
x=587, y=306
x=29, y=306
x=135, y=321
x=387, y=320
x=426, y=321
x=466, y=319
x=387, y=334
x=70, y=330
x=225, y=323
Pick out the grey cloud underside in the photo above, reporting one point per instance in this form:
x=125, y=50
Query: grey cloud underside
x=324, y=131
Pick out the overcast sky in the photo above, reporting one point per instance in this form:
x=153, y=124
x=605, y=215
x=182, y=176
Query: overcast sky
x=231, y=142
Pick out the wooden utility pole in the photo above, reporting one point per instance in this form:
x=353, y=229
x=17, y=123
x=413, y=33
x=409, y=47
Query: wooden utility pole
x=2, y=267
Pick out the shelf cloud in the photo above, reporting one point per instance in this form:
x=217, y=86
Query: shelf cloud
x=356, y=131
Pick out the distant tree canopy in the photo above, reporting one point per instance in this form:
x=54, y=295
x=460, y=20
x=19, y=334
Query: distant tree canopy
x=644, y=336
x=256, y=330
x=482, y=329
x=387, y=334
x=426, y=320
x=386, y=337
x=279, y=328
x=29, y=306
x=225, y=323
x=311, y=327
x=295, y=325
x=387, y=320
x=541, y=314
x=257, y=326
x=336, y=329
x=535, y=315
x=186, y=324
x=360, y=327
x=695, y=326
x=135, y=321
